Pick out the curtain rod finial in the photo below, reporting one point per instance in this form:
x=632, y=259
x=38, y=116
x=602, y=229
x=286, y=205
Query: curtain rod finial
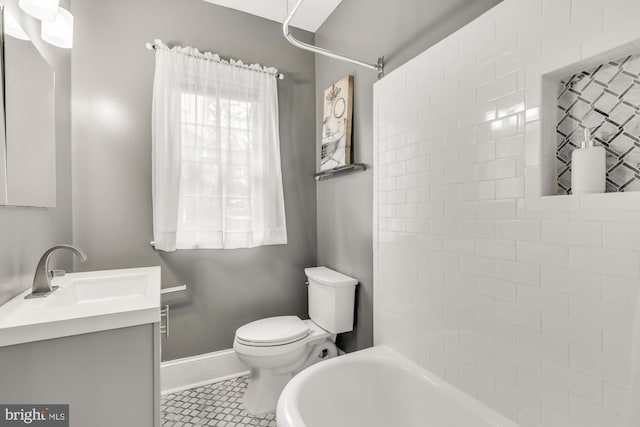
x=148, y=45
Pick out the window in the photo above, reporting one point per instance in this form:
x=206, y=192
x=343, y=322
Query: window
x=229, y=189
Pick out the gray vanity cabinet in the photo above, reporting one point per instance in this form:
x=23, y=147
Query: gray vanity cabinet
x=109, y=378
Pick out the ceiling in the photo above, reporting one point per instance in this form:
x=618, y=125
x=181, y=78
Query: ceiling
x=310, y=15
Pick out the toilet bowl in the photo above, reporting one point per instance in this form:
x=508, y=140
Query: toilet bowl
x=277, y=348
x=274, y=363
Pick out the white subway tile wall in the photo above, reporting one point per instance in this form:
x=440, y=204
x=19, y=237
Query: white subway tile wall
x=529, y=310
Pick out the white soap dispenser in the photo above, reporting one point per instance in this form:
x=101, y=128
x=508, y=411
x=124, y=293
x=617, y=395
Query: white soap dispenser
x=588, y=167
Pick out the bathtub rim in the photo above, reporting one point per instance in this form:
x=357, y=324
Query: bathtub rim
x=288, y=414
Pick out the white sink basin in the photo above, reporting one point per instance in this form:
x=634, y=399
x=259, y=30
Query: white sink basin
x=83, y=303
x=98, y=288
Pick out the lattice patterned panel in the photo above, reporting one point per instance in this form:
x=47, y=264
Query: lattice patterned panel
x=607, y=100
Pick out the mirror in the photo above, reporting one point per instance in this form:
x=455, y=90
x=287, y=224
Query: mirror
x=28, y=177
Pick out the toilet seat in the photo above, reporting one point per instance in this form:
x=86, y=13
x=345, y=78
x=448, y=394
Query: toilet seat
x=272, y=331
x=315, y=333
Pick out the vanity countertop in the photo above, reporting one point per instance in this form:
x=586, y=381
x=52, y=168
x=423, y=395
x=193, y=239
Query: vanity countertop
x=84, y=302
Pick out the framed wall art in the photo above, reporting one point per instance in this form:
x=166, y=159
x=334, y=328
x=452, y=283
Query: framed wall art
x=335, y=148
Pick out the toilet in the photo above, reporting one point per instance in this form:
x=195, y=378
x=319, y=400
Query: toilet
x=277, y=348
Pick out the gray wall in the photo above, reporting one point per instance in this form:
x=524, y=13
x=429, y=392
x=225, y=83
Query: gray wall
x=366, y=29
x=112, y=87
x=25, y=233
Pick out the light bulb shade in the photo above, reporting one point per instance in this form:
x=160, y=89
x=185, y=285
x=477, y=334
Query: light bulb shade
x=12, y=28
x=44, y=10
x=60, y=32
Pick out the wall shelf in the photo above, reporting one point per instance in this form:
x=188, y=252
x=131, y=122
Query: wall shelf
x=342, y=170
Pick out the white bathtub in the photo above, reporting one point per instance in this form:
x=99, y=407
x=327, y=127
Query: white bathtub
x=378, y=387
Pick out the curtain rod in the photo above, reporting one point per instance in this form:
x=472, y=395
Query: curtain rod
x=153, y=46
x=378, y=66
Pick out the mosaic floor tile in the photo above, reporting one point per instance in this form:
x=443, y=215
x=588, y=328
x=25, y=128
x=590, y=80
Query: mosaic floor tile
x=218, y=405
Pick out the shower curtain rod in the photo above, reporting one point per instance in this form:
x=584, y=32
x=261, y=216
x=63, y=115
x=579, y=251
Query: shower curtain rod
x=153, y=46
x=379, y=66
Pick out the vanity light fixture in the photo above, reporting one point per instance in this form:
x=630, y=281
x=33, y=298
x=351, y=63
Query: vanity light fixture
x=12, y=27
x=44, y=10
x=59, y=32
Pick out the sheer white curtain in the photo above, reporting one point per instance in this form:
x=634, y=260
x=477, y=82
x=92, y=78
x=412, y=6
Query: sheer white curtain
x=217, y=180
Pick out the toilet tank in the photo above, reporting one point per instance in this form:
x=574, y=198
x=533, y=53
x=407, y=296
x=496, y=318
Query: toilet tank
x=331, y=299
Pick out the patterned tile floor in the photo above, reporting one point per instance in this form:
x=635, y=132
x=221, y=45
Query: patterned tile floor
x=218, y=405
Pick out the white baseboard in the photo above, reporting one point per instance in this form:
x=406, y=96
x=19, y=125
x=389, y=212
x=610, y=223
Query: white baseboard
x=182, y=374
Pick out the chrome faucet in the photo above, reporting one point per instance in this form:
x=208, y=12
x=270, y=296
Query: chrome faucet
x=42, y=279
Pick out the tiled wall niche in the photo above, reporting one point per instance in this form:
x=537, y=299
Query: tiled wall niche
x=605, y=99
x=530, y=310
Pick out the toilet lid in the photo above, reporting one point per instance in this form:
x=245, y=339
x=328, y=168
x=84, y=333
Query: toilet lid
x=273, y=330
